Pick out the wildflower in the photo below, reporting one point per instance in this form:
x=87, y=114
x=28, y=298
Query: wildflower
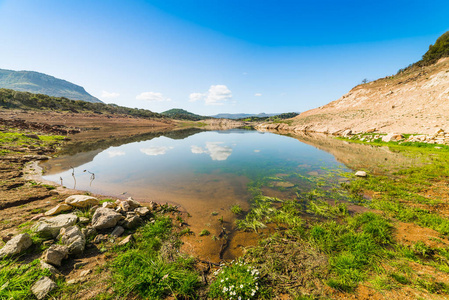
x=222, y=280
x=241, y=286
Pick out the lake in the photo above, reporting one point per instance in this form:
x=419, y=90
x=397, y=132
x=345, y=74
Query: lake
x=203, y=172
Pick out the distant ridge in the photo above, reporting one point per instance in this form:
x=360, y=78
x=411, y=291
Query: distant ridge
x=39, y=83
x=181, y=114
x=242, y=116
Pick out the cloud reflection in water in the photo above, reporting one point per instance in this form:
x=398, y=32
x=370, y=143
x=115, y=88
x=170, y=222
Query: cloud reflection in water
x=215, y=151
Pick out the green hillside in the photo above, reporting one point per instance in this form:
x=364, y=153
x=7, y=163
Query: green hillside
x=181, y=114
x=10, y=99
x=438, y=50
x=34, y=82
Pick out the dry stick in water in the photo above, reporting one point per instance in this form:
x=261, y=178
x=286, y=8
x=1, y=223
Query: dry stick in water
x=73, y=175
x=92, y=176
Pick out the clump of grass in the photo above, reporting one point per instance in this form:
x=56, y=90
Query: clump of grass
x=214, y=213
x=236, y=209
x=16, y=279
x=204, y=232
x=236, y=281
x=161, y=270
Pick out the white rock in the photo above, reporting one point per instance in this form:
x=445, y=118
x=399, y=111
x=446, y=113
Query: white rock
x=360, y=174
x=16, y=245
x=82, y=201
x=58, y=208
x=42, y=287
x=55, y=254
x=392, y=137
x=142, y=211
x=74, y=239
x=105, y=218
x=52, y=226
x=109, y=205
x=118, y=231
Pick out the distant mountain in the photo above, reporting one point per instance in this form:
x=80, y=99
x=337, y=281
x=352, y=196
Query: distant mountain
x=242, y=116
x=39, y=83
x=181, y=114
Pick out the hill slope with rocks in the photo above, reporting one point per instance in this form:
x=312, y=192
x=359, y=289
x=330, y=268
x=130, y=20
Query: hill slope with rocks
x=39, y=83
x=413, y=101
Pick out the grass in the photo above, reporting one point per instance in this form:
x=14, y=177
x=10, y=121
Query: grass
x=16, y=278
x=155, y=257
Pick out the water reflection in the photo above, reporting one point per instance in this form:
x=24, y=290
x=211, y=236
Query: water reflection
x=114, y=153
x=153, y=151
x=214, y=149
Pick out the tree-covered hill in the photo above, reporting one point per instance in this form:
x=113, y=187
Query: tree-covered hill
x=39, y=83
x=181, y=114
x=10, y=99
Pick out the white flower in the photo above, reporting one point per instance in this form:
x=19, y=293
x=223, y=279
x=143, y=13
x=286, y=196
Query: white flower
x=222, y=280
x=241, y=286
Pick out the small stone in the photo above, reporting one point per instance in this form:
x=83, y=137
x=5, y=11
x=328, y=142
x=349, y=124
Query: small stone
x=58, y=208
x=360, y=174
x=109, y=205
x=142, y=211
x=100, y=238
x=16, y=245
x=132, y=222
x=88, y=231
x=118, y=231
x=55, y=254
x=126, y=240
x=37, y=217
x=42, y=287
x=82, y=201
x=79, y=265
x=85, y=273
x=392, y=137
x=49, y=267
x=83, y=220
x=132, y=203
x=48, y=243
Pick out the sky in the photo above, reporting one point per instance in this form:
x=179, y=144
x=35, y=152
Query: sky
x=210, y=57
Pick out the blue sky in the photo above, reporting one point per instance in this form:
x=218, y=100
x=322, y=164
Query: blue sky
x=210, y=56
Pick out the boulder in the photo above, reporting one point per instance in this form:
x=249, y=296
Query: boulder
x=81, y=201
x=58, y=208
x=392, y=137
x=83, y=220
x=142, y=211
x=118, y=231
x=16, y=245
x=42, y=287
x=105, y=218
x=55, y=254
x=52, y=226
x=360, y=174
x=73, y=238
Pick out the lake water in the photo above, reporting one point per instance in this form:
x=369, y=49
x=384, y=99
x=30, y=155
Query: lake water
x=205, y=173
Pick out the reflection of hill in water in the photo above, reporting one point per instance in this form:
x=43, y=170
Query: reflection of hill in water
x=80, y=153
x=377, y=160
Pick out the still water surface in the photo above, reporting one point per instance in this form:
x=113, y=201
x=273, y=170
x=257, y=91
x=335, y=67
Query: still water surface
x=205, y=173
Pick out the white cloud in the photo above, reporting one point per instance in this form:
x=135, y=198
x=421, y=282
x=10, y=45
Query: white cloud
x=114, y=153
x=216, y=95
x=152, y=96
x=108, y=95
x=153, y=151
x=257, y=94
x=257, y=151
x=215, y=151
